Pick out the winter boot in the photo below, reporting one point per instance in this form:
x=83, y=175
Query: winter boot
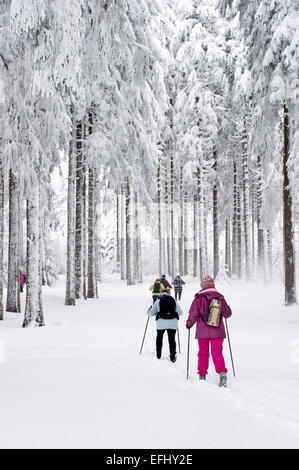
x=222, y=379
x=202, y=377
x=158, y=354
x=172, y=357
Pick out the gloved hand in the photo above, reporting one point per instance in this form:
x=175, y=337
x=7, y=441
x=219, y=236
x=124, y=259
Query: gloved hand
x=187, y=326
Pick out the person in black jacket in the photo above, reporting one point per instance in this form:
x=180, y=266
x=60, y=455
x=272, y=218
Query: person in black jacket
x=178, y=287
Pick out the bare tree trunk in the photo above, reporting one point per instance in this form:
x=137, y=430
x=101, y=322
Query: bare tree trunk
x=13, y=271
x=186, y=244
x=130, y=280
x=181, y=224
x=91, y=236
x=42, y=254
x=239, y=234
x=1, y=236
x=172, y=230
x=205, y=235
x=21, y=229
x=234, y=224
x=49, y=280
x=79, y=215
x=215, y=220
x=160, y=234
x=123, y=238
x=200, y=223
x=70, y=298
x=246, y=204
x=164, y=221
x=41, y=219
x=85, y=223
x=288, y=232
x=118, y=229
x=92, y=255
x=269, y=253
x=228, y=265
x=138, y=260
x=168, y=230
x=33, y=313
x=195, y=236
x=260, y=232
x=20, y=253
x=253, y=218
x=97, y=233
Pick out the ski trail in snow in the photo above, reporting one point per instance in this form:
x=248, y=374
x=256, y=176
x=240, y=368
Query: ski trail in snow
x=81, y=382
x=272, y=401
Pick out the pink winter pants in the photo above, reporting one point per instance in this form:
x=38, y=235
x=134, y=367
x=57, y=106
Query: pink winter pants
x=217, y=356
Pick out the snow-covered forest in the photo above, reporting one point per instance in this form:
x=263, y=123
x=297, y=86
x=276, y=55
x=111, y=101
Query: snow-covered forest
x=143, y=137
x=181, y=113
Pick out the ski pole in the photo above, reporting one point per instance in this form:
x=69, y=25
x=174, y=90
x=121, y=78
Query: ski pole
x=230, y=349
x=179, y=343
x=144, y=334
x=188, y=354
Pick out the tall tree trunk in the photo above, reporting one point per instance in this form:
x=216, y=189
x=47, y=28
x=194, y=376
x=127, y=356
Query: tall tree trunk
x=195, y=236
x=200, y=223
x=167, y=220
x=70, y=297
x=246, y=204
x=215, y=220
x=118, y=229
x=13, y=268
x=186, y=236
x=138, y=260
x=43, y=254
x=41, y=262
x=33, y=314
x=239, y=235
x=21, y=229
x=79, y=215
x=253, y=218
x=205, y=235
x=228, y=266
x=49, y=279
x=269, y=253
x=260, y=231
x=91, y=236
x=92, y=255
x=172, y=229
x=97, y=231
x=181, y=224
x=288, y=232
x=20, y=253
x=234, y=223
x=1, y=237
x=130, y=280
x=160, y=234
x=85, y=222
x=123, y=238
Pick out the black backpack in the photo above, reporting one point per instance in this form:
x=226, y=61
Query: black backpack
x=157, y=288
x=164, y=282
x=167, y=308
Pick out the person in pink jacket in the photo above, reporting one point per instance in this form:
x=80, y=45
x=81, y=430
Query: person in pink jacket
x=209, y=335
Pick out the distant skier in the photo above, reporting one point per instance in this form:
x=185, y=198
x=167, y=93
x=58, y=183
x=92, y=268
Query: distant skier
x=207, y=310
x=165, y=283
x=178, y=287
x=167, y=313
x=156, y=289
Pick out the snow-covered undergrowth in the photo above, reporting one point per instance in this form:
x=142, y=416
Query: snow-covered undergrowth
x=81, y=382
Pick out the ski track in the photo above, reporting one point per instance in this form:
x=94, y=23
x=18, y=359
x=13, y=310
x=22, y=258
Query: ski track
x=81, y=382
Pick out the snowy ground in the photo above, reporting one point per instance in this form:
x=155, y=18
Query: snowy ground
x=80, y=382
